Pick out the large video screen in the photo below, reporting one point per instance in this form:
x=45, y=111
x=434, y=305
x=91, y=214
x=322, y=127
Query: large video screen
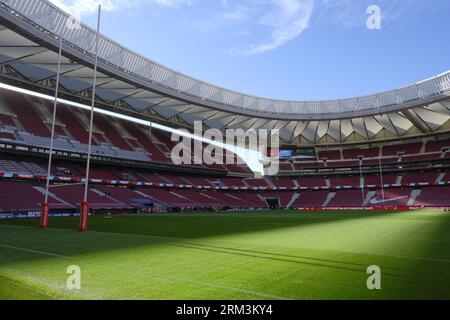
x=305, y=152
x=285, y=153
x=293, y=152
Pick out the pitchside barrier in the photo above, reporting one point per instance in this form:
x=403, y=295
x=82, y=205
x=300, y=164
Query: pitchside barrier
x=373, y=208
x=37, y=214
x=34, y=214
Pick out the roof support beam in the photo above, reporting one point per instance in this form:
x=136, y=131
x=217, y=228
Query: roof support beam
x=23, y=57
x=62, y=73
x=417, y=123
x=127, y=96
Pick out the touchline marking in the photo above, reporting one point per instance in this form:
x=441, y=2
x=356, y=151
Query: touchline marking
x=30, y=288
x=35, y=251
x=201, y=283
x=60, y=289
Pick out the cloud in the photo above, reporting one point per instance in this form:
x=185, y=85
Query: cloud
x=284, y=20
x=86, y=7
x=80, y=8
x=171, y=3
x=259, y=26
x=238, y=14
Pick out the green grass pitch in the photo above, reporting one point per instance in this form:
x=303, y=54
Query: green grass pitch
x=270, y=255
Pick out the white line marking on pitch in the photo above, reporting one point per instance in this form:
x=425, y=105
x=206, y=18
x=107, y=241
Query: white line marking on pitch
x=201, y=283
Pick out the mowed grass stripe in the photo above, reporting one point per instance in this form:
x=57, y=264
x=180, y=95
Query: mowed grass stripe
x=12, y=289
x=277, y=255
x=161, y=276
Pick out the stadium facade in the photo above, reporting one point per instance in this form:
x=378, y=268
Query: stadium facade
x=389, y=149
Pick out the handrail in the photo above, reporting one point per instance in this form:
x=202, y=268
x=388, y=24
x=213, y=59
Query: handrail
x=42, y=14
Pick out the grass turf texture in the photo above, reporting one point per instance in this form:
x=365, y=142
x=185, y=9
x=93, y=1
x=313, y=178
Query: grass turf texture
x=272, y=255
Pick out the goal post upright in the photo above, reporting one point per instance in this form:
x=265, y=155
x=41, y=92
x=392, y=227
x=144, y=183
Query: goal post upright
x=84, y=208
x=46, y=206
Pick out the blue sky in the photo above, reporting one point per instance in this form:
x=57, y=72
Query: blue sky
x=287, y=49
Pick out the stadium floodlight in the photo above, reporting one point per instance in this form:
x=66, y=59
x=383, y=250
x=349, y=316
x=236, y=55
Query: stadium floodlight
x=84, y=210
x=45, y=205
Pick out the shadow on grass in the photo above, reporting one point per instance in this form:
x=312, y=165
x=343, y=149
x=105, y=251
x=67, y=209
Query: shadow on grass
x=169, y=230
x=127, y=232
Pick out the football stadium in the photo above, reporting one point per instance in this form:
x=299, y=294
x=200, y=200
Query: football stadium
x=357, y=207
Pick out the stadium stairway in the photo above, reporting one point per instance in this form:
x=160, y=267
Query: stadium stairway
x=440, y=178
x=330, y=197
x=369, y=197
x=108, y=196
x=66, y=205
x=293, y=199
x=414, y=195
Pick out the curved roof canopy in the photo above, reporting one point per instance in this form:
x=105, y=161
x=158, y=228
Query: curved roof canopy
x=133, y=81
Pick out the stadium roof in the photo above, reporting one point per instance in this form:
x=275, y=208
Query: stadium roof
x=30, y=35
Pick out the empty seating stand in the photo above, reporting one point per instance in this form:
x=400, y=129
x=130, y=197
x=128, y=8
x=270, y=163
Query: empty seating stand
x=20, y=167
x=345, y=181
x=110, y=132
x=312, y=182
x=256, y=183
x=73, y=194
x=285, y=198
x=144, y=139
x=330, y=155
x=311, y=199
x=376, y=180
x=124, y=195
x=229, y=199
x=420, y=177
x=364, y=153
x=283, y=183
x=412, y=148
x=437, y=146
x=286, y=166
x=233, y=182
x=421, y=157
x=20, y=197
x=7, y=136
x=334, y=182
x=26, y=114
x=432, y=197
x=348, y=198
x=111, y=137
x=7, y=121
x=168, y=198
x=201, y=198
x=73, y=125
